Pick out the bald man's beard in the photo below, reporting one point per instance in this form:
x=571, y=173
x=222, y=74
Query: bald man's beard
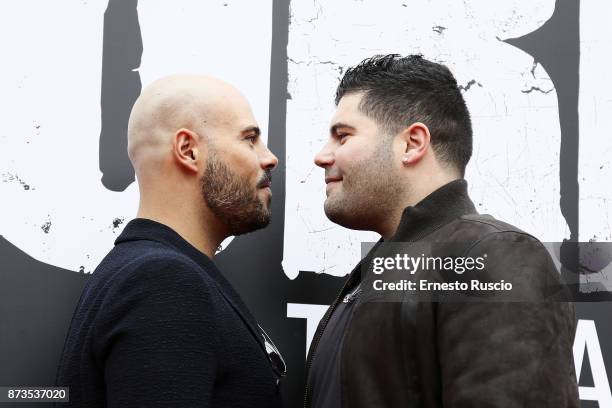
x=233, y=200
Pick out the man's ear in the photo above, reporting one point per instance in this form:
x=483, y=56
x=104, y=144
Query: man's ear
x=415, y=140
x=188, y=149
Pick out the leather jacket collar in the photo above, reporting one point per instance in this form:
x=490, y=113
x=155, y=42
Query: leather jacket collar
x=441, y=206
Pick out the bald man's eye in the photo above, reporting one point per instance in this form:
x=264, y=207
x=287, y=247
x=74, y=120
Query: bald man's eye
x=252, y=139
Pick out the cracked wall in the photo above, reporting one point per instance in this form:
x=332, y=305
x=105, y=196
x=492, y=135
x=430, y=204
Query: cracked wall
x=514, y=172
x=51, y=95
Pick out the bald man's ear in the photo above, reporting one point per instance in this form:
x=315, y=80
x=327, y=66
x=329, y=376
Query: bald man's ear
x=188, y=150
x=414, y=141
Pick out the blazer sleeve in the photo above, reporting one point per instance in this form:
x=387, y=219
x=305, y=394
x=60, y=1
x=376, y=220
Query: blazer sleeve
x=156, y=337
x=509, y=354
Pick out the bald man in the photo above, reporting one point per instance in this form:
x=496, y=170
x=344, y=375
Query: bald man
x=157, y=323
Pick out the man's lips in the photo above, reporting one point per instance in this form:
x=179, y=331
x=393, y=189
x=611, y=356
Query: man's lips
x=266, y=180
x=264, y=184
x=332, y=179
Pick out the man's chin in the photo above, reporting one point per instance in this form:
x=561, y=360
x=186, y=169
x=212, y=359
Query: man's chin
x=337, y=213
x=252, y=224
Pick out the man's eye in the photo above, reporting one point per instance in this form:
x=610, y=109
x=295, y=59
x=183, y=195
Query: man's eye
x=251, y=138
x=342, y=136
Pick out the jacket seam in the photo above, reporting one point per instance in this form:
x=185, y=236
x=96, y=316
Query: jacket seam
x=494, y=225
x=481, y=239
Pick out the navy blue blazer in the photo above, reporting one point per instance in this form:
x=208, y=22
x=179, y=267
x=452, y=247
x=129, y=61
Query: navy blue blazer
x=158, y=325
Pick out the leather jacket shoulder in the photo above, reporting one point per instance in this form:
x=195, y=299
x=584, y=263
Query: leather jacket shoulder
x=476, y=354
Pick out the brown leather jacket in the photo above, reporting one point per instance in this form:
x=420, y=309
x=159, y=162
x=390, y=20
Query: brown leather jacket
x=467, y=354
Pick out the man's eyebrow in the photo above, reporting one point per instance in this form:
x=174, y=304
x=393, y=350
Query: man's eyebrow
x=334, y=128
x=251, y=129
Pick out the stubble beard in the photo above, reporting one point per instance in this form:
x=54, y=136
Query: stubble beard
x=232, y=199
x=367, y=194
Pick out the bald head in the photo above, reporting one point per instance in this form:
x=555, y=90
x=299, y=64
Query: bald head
x=193, y=102
x=200, y=162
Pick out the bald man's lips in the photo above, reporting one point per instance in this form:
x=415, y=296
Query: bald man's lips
x=265, y=184
x=266, y=180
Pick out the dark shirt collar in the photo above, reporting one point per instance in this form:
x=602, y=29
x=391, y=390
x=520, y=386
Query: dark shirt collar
x=440, y=207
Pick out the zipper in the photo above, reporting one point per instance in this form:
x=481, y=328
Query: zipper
x=321, y=329
x=349, y=297
x=353, y=276
x=353, y=295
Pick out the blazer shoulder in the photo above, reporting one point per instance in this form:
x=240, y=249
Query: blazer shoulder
x=146, y=266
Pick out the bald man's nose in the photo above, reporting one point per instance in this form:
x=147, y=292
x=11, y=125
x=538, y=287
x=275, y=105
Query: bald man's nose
x=325, y=157
x=269, y=161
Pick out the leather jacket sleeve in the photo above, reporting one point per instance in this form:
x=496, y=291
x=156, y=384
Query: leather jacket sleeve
x=509, y=354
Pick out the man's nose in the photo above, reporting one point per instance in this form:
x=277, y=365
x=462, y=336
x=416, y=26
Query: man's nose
x=325, y=157
x=269, y=160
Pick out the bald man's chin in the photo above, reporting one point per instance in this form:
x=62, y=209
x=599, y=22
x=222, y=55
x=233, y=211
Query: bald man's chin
x=254, y=224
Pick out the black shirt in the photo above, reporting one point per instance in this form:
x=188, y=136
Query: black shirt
x=325, y=370
x=158, y=325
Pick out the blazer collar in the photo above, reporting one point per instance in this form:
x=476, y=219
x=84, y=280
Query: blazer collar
x=145, y=229
x=440, y=207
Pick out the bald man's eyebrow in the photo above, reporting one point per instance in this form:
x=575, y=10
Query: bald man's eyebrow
x=334, y=128
x=252, y=130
